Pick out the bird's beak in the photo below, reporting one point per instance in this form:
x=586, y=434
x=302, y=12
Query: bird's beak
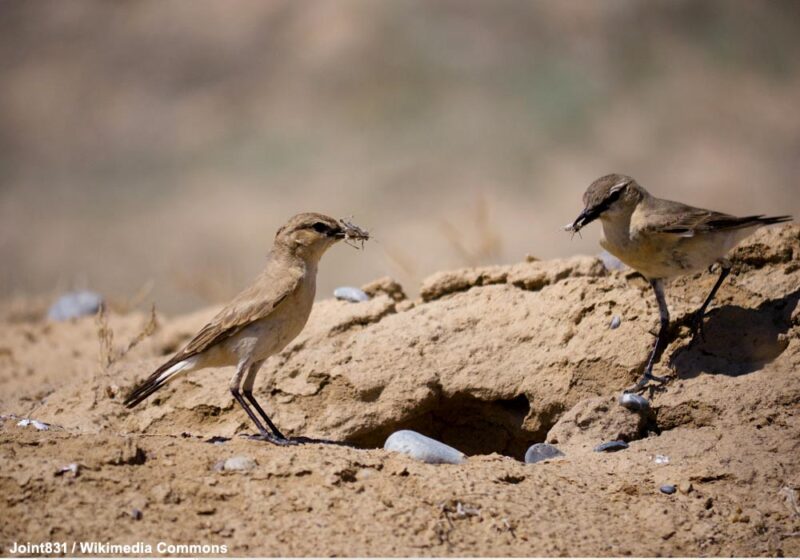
x=584, y=218
x=349, y=231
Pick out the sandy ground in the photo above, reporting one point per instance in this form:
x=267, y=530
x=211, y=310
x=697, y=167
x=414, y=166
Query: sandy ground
x=489, y=360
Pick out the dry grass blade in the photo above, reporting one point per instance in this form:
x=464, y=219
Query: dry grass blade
x=790, y=495
x=147, y=330
x=478, y=244
x=105, y=336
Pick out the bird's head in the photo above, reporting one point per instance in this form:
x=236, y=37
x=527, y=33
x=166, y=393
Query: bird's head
x=608, y=197
x=309, y=235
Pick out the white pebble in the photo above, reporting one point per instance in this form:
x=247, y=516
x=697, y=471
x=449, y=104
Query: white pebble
x=348, y=293
x=610, y=261
x=616, y=321
x=74, y=305
x=422, y=448
x=35, y=423
x=239, y=463
x=661, y=460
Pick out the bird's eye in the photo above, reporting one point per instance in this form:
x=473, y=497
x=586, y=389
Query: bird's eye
x=320, y=227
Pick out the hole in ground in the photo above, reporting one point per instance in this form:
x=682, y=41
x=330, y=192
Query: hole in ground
x=469, y=424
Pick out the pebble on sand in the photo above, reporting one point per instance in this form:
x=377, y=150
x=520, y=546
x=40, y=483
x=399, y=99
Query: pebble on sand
x=422, y=448
x=73, y=468
x=238, y=463
x=542, y=451
x=616, y=321
x=35, y=423
x=668, y=488
x=634, y=402
x=74, y=305
x=609, y=446
x=348, y=293
x=610, y=261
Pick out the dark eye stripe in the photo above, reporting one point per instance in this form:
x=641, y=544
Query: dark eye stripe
x=608, y=201
x=320, y=227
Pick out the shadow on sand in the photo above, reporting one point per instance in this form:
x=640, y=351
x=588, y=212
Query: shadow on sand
x=738, y=340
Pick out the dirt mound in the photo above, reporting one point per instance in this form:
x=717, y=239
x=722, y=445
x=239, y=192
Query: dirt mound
x=488, y=360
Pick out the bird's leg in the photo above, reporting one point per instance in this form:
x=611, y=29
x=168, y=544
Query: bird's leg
x=661, y=339
x=236, y=381
x=697, y=320
x=247, y=390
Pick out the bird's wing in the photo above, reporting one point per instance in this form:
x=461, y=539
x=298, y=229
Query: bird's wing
x=686, y=221
x=274, y=285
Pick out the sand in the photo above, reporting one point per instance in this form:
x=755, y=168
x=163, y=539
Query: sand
x=488, y=360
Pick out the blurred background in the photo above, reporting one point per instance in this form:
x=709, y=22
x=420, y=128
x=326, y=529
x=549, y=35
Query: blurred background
x=149, y=150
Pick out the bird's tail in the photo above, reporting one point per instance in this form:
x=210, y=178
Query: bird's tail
x=157, y=379
x=769, y=220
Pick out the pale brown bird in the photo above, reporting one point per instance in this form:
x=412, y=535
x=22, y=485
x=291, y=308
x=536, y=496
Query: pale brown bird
x=661, y=239
x=262, y=319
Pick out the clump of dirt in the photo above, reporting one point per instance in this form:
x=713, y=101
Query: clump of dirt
x=489, y=360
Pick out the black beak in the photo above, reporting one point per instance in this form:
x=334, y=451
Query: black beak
x=585, y=218
x=336, y=233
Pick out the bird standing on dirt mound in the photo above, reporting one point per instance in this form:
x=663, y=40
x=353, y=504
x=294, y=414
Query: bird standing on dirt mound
x=661, y=239
x=261, y=320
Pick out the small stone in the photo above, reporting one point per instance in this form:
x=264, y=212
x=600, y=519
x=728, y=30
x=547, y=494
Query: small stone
x=609, y=446
x=542, y=451
x=74, y=305
x=136, y=514
x=422, y=448
x=685, y=487
x=348, y=293
x=616, y=321
x=661, y=460
x=610, y=261
x=238, y=463
x=25, y=422
x=634, y=402
x=73, y=468
x=668, y=488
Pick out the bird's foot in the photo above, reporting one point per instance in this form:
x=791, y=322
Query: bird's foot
x=270, y=438
x=643, y=383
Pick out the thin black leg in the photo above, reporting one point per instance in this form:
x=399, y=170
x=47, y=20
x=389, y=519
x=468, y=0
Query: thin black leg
x=256, y=421
x=249, y=396
x=264, y=435
x=661, y=340
x=697, y=320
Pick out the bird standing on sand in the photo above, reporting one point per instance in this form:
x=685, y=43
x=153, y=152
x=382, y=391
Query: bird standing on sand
x=661, y=239
x=262, y=319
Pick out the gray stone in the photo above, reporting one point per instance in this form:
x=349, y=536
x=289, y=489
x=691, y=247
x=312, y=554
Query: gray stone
x=25, y=422
x=609, y=446
x=610, y=261
x=616, y=321
x=75, y=304
x=348, y=293
x=422, y=448
x=634, y=402
x=668, y=488
x=541, y=451
x=238, y=463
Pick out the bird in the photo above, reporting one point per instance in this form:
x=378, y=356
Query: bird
x=662, y=239
x=262, y=319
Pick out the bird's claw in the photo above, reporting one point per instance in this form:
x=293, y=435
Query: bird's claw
x=642, y=384
x=270, y=438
